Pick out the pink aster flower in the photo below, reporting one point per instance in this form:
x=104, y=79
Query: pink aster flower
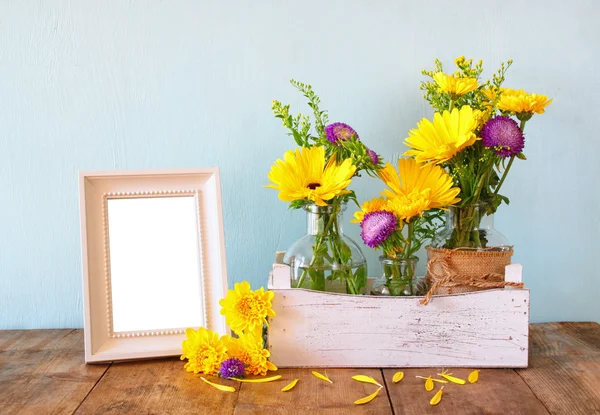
x=377, y=227
x=338, y=131
x=373, y=156
x=503, y=135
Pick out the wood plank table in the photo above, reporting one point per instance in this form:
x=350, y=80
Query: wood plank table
x=42, y=372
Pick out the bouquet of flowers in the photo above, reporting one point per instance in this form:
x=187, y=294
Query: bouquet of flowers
x=315, y=176
x=475, y=136
x=401, y=221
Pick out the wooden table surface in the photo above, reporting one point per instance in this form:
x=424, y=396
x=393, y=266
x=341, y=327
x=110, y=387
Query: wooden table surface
x=43, y=372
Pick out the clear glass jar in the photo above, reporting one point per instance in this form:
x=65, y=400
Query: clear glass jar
x=471, y=226
x=399, y=278
x=325, y=259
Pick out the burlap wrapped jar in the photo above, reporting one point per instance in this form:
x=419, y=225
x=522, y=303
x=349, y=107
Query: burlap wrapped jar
x=453, y=271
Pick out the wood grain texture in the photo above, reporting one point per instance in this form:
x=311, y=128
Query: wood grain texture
x=157, y=386
x=480, y=329
x=43, y=372
x=312, y=395
x=498, y=391
x=564, y=369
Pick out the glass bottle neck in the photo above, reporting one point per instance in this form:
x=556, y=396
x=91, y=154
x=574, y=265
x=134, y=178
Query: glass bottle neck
x=321, y=218
x=471, y=216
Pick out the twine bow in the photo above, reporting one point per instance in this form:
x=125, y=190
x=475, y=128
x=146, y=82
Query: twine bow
x=449, y=278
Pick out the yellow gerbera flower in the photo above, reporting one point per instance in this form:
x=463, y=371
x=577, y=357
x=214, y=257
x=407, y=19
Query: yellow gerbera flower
x=246, y=310
x=204, y=350
x=418, y=187
x=519, y=101
x=405, y=207
x=373, y=205
x=303, y=175
x=441, y=139
x=248, y=348
x=455, y=86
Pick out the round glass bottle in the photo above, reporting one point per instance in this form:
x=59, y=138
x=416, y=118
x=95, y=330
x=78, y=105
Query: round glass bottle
x=325, y=259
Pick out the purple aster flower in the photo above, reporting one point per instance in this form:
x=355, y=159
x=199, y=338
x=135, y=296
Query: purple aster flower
x=232, y=368
x=338, y=131
x=377, y=227
x=373, y=156
x=503, y=135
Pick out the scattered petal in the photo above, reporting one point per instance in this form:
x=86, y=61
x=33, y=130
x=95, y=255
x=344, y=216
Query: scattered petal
x=366, y=379
x=258, y=380
x=474, y=376
x=433, y=379
x=452, y=378
x=322, y=377
x=290, y=386
x=223, y=388
x=437, y=397
x=429, y=384
x=398, y=376
x=367, y=399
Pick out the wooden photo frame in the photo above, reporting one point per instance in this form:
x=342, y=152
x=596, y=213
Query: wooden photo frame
x=153, y=260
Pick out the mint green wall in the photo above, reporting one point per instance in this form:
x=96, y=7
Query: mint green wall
x=156, y=84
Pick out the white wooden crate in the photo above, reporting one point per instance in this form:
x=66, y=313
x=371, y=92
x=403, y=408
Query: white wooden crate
x=479, y=329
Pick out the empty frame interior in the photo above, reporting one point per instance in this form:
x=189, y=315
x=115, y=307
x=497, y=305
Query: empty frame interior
x=153, y=260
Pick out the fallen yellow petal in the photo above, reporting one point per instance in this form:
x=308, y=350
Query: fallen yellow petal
x=259, y=380
x=437, y=397
x=429, y=384
x=452, y=378
x=366, y=379
x=223, y=388
x=367, y=399
x=474, y=376
x=290, y=386
x=322, y=377
x=433, y=379
x=398, y=376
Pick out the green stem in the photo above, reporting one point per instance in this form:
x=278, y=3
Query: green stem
x=510, y=162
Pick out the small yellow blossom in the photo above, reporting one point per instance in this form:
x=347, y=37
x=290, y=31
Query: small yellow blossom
x=373, y=205
x=246, y=310
x=204, y=350
x=521, y=102
x=455, y=86
x=248, y=348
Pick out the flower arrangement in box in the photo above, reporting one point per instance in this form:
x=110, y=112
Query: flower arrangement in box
x=315, y=177
x=476, y=134
x=403, y=219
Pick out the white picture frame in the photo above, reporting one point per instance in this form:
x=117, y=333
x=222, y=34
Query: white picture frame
x=99, y=188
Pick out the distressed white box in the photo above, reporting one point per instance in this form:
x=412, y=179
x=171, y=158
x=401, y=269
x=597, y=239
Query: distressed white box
x=479, y=329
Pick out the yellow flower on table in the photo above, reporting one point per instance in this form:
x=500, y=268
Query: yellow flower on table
x=204, y=350
x=246, y=310
x=248, y=348
x=455, y=86
x=521, y=102
x=440, y=140
x=303, y=175
x=416, y=187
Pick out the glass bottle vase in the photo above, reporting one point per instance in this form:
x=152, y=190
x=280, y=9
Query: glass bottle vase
x=325, y=259
x=470, y=226
x=398, y=278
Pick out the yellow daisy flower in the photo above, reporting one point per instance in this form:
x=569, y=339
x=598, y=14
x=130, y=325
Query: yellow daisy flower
x=519, y=101
x=248, y=348
x=204, y=350
x=455, y=86
x=441, y=139
x=303, y=175
x=246, y=310
x=419, y=187
x=369, y=206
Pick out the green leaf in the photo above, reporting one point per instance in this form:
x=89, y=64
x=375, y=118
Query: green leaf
x=360, y=276
x=521, y=156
